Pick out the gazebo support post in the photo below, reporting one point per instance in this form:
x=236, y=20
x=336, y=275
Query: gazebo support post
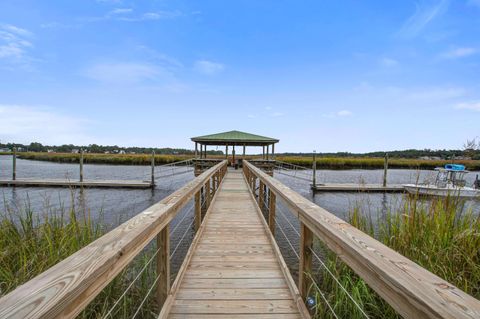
x=233, y=155
x=196, y=149
x=273, y=151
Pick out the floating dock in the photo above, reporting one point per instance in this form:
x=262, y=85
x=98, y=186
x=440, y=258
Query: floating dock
x=379, y=188
x=85, y=183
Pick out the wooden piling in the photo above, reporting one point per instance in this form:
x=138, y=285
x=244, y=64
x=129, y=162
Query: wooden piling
x=385, y=170
x=81, y=165
x=153, y=169
x=14, y=164
x=314, y=170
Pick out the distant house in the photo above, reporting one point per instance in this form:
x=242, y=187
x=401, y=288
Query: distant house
x=75, y=151
x=4, y=150
x=430, y=158
x=121, y=152
x=50, y=151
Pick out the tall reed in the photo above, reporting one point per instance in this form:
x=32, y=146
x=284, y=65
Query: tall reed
x=31, y=243
x=438, y=234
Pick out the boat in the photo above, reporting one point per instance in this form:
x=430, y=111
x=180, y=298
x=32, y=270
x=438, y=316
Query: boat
x=450, y=181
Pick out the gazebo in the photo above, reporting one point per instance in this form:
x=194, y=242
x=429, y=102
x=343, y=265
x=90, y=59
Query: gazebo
x=235, y=138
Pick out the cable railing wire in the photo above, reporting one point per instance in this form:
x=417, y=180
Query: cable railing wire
x=325, y=266
x=145, y=298
x=109, y=313
x=298, y=257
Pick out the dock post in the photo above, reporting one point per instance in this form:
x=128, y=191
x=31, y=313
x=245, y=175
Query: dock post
x=314, y=170
x=207, y=195
x=243, y=157
x=305, y=267
x=198, y=211
x=271, y=211
x=163, y=265
x=81, y=165
x=14, y=164
x=261, y=196
x=196, y=149
x=385, y=170
x=152, y=183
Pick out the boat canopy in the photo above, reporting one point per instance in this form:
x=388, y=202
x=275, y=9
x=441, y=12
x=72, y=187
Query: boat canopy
x=455, y=167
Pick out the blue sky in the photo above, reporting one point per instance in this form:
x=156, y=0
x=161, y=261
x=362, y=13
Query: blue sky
x=326, y=75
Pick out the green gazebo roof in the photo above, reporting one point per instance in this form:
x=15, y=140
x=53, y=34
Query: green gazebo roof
x=234, y=138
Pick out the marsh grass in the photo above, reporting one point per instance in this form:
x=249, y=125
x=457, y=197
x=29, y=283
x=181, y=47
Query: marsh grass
x=31, y=243
x=373, y=163
x=114, y=159
x=439, y=235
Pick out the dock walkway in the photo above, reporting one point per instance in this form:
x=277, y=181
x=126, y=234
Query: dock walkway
x=234, y=268
x=73, y=183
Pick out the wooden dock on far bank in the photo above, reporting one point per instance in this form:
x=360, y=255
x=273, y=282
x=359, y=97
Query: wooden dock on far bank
x=84, y=183
x=367, y=188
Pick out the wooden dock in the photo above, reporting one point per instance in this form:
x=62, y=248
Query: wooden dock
x=70, y=183
x=234, y=268
x=368, y=188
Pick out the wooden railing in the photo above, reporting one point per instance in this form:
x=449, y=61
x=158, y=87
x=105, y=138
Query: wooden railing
x=410, y=289
x=65, y=289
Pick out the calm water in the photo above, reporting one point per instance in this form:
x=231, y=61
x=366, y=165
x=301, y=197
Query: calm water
x=117, y=205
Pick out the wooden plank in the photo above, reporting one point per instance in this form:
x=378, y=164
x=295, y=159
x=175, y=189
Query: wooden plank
x=233, y=306
x=235, y=316
x=233, y=283
x=233, y=273
x=66, y=288
x=410, y=289
x=232, y=294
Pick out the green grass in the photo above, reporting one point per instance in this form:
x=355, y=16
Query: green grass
x=436, y=235
x=31, y=243
x=373, y=163
x=115, y=159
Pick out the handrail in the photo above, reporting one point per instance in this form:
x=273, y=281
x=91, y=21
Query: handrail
x=65, y=289
x=411, y=290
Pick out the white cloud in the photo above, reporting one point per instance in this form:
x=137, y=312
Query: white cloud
x=120, y=11
x=459, y=53
x=277, y=114
x=208, y=67
x=472, y=106
x=388, y=62
x=15, y=43
x=344, y=113
x=125, y=72
x=425, y=13
x=25, y=124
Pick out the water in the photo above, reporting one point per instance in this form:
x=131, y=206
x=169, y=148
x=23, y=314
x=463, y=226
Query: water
x=114, y=206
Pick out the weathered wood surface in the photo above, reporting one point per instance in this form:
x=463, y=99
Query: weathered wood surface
x=394, y=188
x=233, y=271
x=410, y=289
x=65, y=289
x=70, y=183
